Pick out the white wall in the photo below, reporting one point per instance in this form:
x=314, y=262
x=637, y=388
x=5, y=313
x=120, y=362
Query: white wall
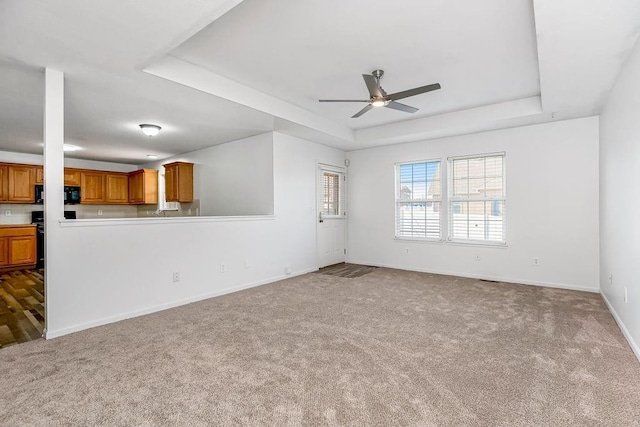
x=128, y=268
x=551, y=210
x=235, y=178
x=619, y=202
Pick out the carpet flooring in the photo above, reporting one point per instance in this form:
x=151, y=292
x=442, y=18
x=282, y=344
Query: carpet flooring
x=388, y=348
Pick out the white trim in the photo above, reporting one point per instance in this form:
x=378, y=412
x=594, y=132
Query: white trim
x=482, y=277
x=475, y=156
x=487, y=243
x=634, y=346
x=160, y=220
x=165, y=306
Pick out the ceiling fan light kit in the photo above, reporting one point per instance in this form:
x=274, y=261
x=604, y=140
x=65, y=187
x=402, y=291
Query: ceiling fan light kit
x=379, y=98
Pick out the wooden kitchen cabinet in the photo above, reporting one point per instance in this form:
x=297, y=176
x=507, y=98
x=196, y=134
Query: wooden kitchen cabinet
x=21, y=180
x=117, y=188
x=17, y=246
x=143, y=187
x=178, y=181
x=92, y=185
x=4, y=183
x=72, y=177
x=39, y=175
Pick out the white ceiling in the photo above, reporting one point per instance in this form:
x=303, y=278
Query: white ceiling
x=481, y=52
x=215, y=72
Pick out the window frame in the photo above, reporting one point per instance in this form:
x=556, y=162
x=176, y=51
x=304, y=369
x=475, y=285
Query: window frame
x=451, y=200
x=440, y=200
x=342, y=197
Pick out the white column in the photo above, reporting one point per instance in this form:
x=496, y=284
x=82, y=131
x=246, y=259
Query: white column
x=54, y=181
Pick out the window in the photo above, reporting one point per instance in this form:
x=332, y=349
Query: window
x=477, y=198
x=331, y=186
x=418, y=199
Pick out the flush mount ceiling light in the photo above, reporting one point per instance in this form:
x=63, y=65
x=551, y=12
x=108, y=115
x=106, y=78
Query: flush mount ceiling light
x=150, y=130
x=152, y=156
x=69, y=147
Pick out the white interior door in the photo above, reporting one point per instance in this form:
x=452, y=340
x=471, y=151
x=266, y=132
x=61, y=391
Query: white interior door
x=331, y=215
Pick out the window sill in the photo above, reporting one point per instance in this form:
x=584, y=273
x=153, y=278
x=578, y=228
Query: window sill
x=418, y=240
x=497, y=245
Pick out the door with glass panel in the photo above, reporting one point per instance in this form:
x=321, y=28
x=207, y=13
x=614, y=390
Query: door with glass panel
x=331, y=215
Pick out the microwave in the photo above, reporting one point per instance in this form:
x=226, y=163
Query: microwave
x=71, y=195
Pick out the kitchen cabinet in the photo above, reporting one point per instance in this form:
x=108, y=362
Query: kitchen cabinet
x=92, y=185
x=72, y=177
x=4, y=183
x=143, y=187
x=178, y=181
x=17, y=183
x=39, y=175
x=17, y=246
x=117, y=188
x=21, y=180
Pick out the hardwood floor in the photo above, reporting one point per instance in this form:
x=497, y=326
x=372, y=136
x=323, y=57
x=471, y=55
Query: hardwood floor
x=349, y=271
x=21, y=306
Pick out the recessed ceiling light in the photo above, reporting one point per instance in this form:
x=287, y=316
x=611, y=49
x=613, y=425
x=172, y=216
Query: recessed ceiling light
x=69, y=147
x=150, y=130
x=152, y=156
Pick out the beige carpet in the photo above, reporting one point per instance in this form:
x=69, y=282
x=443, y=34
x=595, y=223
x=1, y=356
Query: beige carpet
x=388, y=348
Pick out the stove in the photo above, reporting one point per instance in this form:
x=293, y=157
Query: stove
x=37, y=218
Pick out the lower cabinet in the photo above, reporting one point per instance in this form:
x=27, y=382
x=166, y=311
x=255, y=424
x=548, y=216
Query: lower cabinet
x=17, y=246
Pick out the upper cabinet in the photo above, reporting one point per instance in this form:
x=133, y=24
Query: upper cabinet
x=178, y=181
x=92, y=185
x=39, y=175
x=117, y=188
x=21, y=184
x=72, y=177
x=143, y=187
x=17, y=183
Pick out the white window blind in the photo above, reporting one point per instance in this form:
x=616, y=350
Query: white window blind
x=477, y=198
x=331, y=201
x=418, y=200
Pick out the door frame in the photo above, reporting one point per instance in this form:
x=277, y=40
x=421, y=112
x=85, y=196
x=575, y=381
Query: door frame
x=320, y=167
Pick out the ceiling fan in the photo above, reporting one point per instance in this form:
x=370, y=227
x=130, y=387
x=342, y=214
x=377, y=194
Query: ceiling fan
x=380, y=98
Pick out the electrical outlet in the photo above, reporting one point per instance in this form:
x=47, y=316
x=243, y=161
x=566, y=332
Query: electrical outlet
x=223, y=267
x=287, y=269
x=536, y=262
x=477, y=257
x=610, y=278
x=99, y=212
x=406, y=251
x=7, y=213
x=176, y=276
x=626, y=297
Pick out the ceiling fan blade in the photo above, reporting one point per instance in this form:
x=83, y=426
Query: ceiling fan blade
x=361, y=112
x=372, y=85
x=342, y=100
x=401, y=107
x=415, y=91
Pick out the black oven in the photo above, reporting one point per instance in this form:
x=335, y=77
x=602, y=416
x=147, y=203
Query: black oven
x=37, y=218
x=71, y=195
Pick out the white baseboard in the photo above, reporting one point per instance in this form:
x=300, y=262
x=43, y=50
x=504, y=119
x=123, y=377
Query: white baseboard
x=482, y=277
x=623, y=328
x=111, y=319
